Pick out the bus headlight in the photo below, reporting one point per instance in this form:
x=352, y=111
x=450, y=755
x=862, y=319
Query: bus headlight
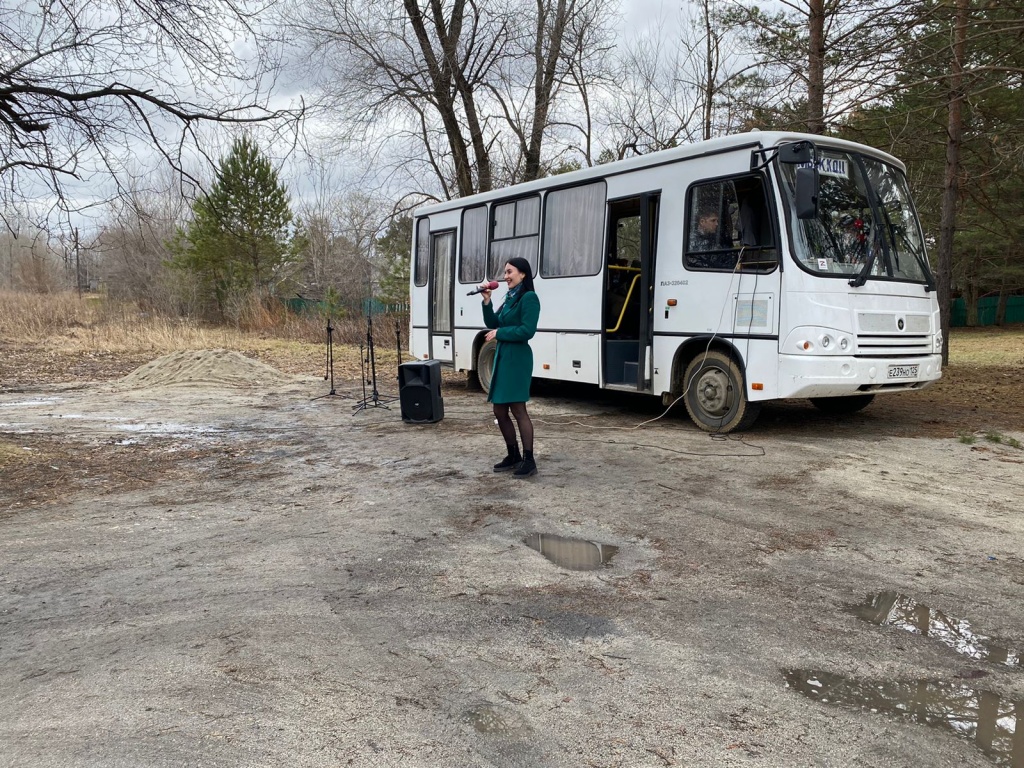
x=819, y=341
x=833, y=345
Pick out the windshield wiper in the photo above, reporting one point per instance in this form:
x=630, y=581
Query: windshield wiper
x=929, y=279
x=862, y=276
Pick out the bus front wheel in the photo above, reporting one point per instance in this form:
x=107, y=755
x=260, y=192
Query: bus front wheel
x=485, y=364
x=716, y=397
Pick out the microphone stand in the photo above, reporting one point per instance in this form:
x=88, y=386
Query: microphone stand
x=374, y=400
x=329, y=373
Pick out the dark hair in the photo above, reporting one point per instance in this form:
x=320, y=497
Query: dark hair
x=523, y=266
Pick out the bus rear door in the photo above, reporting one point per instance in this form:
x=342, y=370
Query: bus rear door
x=441, y=290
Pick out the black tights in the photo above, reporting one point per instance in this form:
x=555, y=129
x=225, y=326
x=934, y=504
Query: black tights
x=508, y=430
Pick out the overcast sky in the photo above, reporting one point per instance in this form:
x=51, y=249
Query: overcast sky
x=339, y=168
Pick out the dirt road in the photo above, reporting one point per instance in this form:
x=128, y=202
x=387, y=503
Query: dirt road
x=229, y=572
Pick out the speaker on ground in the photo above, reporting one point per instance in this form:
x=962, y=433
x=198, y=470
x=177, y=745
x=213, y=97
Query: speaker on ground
x=419, y=390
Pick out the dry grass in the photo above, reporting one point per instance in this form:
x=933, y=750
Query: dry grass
x=77, y=333
x=93, y=323
x=61, y=337
x=987, y=346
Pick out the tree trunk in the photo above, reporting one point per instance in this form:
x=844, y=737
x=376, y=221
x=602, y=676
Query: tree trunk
x=449, y=41
x=971, y=301
x=710, y=68
x=550, y=31
x=816, y=67
x=1004, y=296
x=1005, y=285
x=441, y=82
x=950, y=186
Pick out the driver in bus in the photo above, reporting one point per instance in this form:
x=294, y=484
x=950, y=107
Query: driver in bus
x=705, y=236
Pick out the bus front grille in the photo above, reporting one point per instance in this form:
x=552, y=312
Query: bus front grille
x=903, y=345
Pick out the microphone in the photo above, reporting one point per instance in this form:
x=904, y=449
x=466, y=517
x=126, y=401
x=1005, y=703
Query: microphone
x=484, y=287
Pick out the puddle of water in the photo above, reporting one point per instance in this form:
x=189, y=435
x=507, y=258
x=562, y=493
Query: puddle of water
x=488, y=718
x=574, y=554
x=993, y=723
x=31, y=403
x=893, y=609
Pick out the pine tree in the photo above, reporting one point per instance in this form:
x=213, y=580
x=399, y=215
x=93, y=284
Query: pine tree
x=393, y=251
x=243, y=237
x=913, y=122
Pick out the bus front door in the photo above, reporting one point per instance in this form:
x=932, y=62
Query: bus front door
x=629, y=292
x=442, y=260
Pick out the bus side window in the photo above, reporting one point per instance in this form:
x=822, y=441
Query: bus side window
x=754, y=233
x=730, y=226
x=748, y=223
x=709, y=241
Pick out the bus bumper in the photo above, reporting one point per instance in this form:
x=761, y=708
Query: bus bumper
x=835, y=376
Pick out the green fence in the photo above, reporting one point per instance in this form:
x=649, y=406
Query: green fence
x=987, y=311
x=302, y=306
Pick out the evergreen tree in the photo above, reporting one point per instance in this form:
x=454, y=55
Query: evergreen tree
x=394, y=252
x=242, y=237
x=913, y=123
x=815, y=61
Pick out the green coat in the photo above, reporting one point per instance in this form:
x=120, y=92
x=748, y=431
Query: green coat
x=513, y=359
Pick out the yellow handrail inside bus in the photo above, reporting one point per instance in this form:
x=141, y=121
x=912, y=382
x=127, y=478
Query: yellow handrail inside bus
x=629, y=295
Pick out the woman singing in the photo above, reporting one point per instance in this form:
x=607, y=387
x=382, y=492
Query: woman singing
x=514, y=325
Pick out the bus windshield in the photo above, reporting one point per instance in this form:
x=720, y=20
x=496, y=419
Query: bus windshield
x=866, y=226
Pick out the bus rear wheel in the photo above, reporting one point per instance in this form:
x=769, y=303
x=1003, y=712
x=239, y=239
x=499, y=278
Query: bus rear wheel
x=841, y=406
x=485, y=364
x=716, y=397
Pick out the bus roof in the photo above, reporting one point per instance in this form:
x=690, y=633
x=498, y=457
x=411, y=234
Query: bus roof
x=754, y=140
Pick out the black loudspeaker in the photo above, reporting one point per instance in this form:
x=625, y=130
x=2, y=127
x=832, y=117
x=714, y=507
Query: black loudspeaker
x=419, y=389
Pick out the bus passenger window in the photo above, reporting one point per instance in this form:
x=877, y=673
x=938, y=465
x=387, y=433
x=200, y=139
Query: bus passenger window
x=515, y=232
x=573, y=231
x=473, y=261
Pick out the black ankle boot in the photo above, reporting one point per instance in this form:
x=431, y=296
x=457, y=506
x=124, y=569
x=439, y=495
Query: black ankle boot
x=510, y=461
x=528, y=467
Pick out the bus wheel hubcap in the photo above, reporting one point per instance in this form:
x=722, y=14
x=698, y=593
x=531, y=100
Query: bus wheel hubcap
x=713, y=392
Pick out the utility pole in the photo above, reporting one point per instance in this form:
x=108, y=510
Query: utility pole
x=78, y=267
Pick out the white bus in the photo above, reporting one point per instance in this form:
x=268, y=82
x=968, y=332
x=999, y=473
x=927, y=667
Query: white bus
x=727, y=273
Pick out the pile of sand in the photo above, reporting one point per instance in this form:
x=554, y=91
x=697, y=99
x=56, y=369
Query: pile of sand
x=205, y=368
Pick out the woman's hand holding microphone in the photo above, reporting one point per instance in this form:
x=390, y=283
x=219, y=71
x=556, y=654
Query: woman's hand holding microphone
x=484, y=289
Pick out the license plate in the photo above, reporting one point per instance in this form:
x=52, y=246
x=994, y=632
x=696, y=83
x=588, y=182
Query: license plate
x=902, y=371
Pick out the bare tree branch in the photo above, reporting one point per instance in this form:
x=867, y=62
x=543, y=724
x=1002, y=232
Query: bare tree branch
x=87, y=84
x=487, y=78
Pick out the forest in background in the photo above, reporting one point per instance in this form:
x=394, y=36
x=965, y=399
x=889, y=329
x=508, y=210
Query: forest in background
x=242, y=202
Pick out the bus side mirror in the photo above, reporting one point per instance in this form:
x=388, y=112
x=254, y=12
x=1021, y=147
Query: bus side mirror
x=807, y=185
x=796, y=153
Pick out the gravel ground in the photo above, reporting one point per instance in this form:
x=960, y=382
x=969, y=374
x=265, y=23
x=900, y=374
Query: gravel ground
x=239, y=572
